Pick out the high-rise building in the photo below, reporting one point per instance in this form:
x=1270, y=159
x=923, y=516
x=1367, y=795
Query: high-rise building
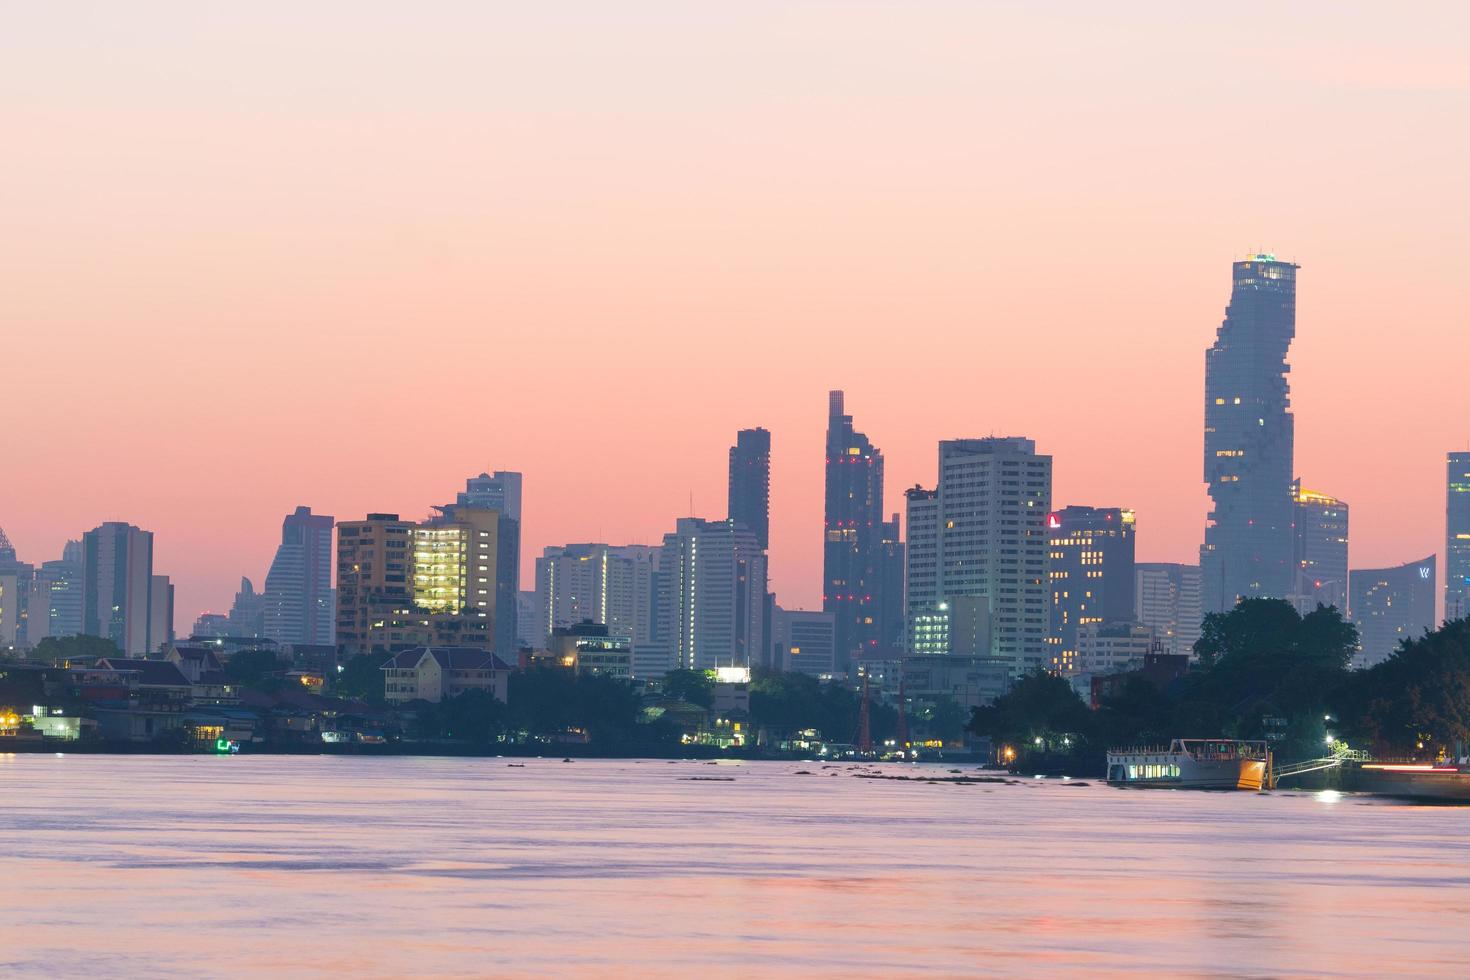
x=982, y=533
x=1457, y=536
x=298, y=587
x=853, y=535
x=55, y=607
x=375, y=611
x=1107, y=648
x=1092, y=574
x=530, y=633
x=609, y=585
x=16, y=585
x=711, y=598
x=892, y=635
x=117, y=586
x=454, y=567
x=1248, y=439
x=161, y=613
x=750, y=483
x=501, y=492
x=247, y=612
x=1168, y=602
x=1320, y=555
x=803, y=642
x=1390, y=605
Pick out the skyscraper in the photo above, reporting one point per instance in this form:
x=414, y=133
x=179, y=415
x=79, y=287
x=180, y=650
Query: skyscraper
x=16, y=585
x=1168, y=602
x=117, y=586
x=298, y=587
x=1320, y=552
x=56, y=596
x=1389, y=605
x=750, y=483
x=247, y=612
x=160, y=613
x=1457, y=537
x=606, y=584
x=1248, y=439
x=711, y=598
x=853, y=535
x=1092, y=574
x=501, y=492
x=982, y=533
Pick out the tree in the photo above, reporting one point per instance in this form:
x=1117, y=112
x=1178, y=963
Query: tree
x=59, y=649
x=694, y=686
x=474, y=716
x=361, y=678
x=252, y=668
x=1420, y=694
x=1040, y=712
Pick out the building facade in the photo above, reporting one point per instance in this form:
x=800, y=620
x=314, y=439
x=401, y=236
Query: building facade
x=1168, y=602
x=1390, y=605
x=1092, y=574
x=1106, y=648
x=55, y=607
x=750, y=483
x=501, y=492
x=298, y=605
x=436, y=673
x=613, y=585
x=982, y=533
x=711, y=598
x=1249, y=433
x=1320, y=553
x=1457, y=536
x=804, y=642
x=852, y=547
x=117, y=586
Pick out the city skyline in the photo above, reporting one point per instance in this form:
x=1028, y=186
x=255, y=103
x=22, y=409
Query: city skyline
x=246, y=274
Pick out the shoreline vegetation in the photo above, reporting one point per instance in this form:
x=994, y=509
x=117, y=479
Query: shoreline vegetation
x=1261, y=671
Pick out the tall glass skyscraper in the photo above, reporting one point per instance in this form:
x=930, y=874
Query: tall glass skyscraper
x=853, y=535
x=1457, y=537
x=750, y=483
x=299, y=605
x=1248, y=439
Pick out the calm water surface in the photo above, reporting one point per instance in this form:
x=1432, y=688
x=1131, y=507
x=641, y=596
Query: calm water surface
x=200, y=866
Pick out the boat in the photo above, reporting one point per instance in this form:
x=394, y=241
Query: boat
x=1192, y=763
x=1447, y=781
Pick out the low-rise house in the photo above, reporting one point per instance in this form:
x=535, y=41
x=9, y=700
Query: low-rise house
x=435, y=673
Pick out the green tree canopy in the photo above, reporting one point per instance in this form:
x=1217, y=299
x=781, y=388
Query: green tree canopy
x=59, y=649
x=1419, y=694
x=361, y=678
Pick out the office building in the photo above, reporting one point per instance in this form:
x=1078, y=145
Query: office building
x=530, y=633
x=1106, y=648
x=16, y=585
x=1168, y=602
x=298, y=604
x=501, y=492
x=804, y=642
x=1390, y=605
x=1457, y=536
x=1248, y=439
x=592, y=648
x=711, y=598
x=247, y=612
x=853, y=535
x=117, y=586
x=1320, y=554
x=160, y=613
x=892, y=633
x=598, y=583
x=1092, y=574
x=55, y=606
x=982, y=533
x=750, y=483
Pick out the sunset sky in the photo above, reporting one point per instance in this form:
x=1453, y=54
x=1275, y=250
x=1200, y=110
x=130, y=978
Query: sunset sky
x=348, y=254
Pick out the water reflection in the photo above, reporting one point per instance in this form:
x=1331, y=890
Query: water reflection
x=244, y=865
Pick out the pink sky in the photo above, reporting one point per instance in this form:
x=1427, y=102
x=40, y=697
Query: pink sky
x=347, y=255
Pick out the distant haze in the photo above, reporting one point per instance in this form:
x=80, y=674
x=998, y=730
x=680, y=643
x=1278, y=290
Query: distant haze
x=347, y=254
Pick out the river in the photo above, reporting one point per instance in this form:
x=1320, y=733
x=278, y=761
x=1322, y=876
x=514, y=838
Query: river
x=348, y=866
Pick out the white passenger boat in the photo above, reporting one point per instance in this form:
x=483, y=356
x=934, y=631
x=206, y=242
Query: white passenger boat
x=1192, y=763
